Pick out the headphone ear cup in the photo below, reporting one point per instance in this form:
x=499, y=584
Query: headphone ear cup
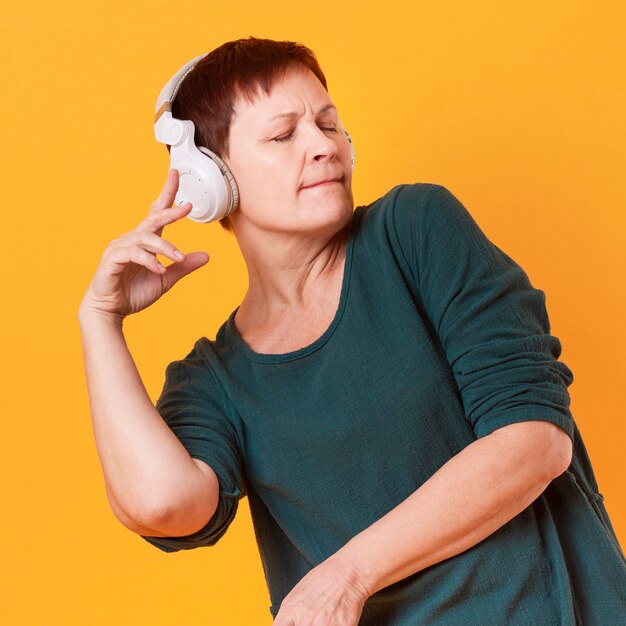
x=204, y=180
x=228, y=177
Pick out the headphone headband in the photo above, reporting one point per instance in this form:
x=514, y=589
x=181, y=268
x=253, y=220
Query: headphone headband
x=168, y=93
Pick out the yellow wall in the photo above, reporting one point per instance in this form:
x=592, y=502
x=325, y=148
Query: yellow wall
x=518, y=108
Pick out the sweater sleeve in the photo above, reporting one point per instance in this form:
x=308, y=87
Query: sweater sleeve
x=190, y=405
x=491, y=322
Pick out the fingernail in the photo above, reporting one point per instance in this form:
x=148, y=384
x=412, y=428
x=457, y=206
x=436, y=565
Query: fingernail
x=179, y=255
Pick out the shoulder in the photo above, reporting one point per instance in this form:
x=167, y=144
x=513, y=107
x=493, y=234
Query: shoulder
x=426, y=199
x=193, y=369
x=398, y=219
x=404, y=205
x=192, y=387
x=402, y=195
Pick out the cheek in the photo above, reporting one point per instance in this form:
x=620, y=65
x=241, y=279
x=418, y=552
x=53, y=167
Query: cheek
x=273, y=175
x=268, y=185
x=251, y=178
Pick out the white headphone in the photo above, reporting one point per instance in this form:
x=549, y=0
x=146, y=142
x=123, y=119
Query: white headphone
x=204, y=179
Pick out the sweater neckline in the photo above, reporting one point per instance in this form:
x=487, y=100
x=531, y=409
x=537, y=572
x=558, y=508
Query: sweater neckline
x=264, y=357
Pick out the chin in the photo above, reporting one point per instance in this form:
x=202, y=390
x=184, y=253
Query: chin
x=332, y=216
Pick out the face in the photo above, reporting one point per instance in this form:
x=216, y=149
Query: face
x=279, y=147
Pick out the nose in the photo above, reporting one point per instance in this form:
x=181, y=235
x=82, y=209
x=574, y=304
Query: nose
x=322, y=143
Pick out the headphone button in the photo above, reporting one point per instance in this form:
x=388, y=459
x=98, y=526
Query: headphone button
x=175, y=134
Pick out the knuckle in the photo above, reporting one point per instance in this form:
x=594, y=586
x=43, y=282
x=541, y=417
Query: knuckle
x=148, y=221
x=134, y=237
x=156, y=220
x=138, y=255
x=114, y=244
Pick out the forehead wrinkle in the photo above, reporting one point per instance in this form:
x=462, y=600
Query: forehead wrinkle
x=325, y=108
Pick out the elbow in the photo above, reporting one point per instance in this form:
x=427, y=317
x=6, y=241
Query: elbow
x=168, y=522
x=191, y=512
x=158, y=521
x=139, y=515
x=557, y=450
x=549, y=445
x=138, y=522
x=195, y=504
x=562, y=453
x=156, y=515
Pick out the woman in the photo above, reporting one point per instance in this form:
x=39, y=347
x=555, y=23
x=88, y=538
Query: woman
x=388, y=394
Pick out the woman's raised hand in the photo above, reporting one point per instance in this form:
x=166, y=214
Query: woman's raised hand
x=130, y=277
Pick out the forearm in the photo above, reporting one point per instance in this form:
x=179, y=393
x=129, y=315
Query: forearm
x=147, y=470
x=472, y=495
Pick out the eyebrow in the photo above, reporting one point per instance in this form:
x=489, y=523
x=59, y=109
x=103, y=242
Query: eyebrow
x=295, y=113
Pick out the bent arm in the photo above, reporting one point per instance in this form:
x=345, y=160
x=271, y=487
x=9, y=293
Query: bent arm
x=472, y=495
x=154, y=486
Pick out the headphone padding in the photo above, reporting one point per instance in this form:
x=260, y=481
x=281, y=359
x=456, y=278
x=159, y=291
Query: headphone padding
x=228, y=175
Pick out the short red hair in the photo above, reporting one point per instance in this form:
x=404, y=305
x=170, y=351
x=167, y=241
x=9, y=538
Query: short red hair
x=236, y=69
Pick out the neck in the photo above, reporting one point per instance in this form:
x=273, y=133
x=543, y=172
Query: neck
x=288, y=271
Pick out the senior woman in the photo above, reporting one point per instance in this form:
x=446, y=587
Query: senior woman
x=388, y=394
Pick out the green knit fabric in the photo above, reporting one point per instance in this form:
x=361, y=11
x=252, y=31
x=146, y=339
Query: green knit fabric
x=439, y=339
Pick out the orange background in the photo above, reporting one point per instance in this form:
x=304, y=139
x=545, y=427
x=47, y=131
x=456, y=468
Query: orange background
x=517, y=108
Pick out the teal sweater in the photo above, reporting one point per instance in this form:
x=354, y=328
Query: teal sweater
x=439, y=339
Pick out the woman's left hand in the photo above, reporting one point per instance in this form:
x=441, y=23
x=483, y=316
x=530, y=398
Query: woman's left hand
x=331, y=594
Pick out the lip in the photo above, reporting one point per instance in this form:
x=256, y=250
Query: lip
x=323, y=184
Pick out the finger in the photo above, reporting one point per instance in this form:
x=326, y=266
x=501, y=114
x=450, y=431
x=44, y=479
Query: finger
x=156, y=221
x=176, y=271
x=168, y=193
x=117, y=258
x=157, y=245
x=143, y=257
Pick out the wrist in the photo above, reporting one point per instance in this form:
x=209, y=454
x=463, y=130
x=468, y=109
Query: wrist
x=88, y=314
x=348, y=570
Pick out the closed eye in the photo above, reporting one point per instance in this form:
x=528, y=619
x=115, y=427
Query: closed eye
x=284, y=138
x=288, y=137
